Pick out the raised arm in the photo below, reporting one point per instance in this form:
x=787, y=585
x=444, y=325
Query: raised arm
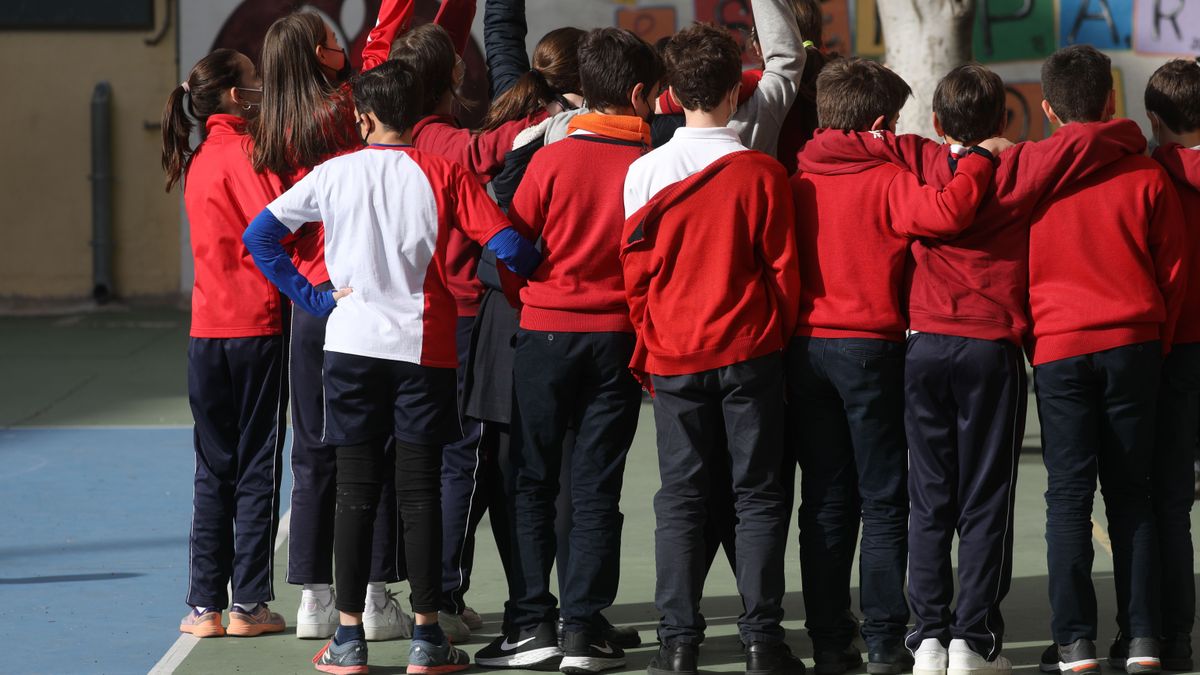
x=395, y=17
x=504, y=31
x=456, y=16
x=759, y=121
x=919, y=210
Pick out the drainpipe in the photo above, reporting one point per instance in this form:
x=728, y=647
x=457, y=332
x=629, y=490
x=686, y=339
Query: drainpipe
x=102, y=193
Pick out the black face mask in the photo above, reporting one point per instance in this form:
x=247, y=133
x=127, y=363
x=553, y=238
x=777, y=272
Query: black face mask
x=341, y=75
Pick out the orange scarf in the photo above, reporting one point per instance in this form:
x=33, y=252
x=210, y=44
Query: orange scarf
x=618, y=127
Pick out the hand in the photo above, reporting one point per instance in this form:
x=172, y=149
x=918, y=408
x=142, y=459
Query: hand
x=341, y=293
x=996, y=145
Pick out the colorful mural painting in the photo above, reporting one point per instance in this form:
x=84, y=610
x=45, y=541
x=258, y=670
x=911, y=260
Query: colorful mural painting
x=1106, y=24
x=1014, y=30
x=1166, y=26
x=649, y=23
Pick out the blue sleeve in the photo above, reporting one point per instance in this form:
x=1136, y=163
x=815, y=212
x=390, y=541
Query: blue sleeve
x=262, y=239
x=515, y=252
x=504, y=30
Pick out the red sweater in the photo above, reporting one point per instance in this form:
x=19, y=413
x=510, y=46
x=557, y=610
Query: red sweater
x=1184, y=167
x=976, y=285
x=483, y=155
x=710, y=267
x=572, y=197
x=222, y=194
x=855, y=209
x=1106, y=262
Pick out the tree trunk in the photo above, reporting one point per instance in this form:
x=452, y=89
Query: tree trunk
x=925, y=40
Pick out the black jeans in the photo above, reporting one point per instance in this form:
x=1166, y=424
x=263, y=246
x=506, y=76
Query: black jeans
x=727, y=419
x=846, y=398
x=1098, y=418
x=965, y=418
x=579, y=379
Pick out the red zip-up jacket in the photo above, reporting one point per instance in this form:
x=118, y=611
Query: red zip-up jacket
x=710, y=266
x=483, y=155
x=1106, y=262
x=976, y=285
x=855, y=211
x=1183, y=165
x=222, y=193
x=572, y=197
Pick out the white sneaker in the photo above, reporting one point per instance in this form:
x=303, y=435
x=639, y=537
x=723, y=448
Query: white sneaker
x=930, y=657
x=454, y=627
x=317, y=618
x=386, y=621
x=963, y=661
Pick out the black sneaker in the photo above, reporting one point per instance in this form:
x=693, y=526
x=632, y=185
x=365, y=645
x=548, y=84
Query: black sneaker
x=1048, y=663
x=533, y=648
x=621, y=636
x=836, y=663
x=1177, y=653
x=772, y=658
x=675, y=659
x=1142, y=656
x=890, y=661
x=1078, y=658
x=584, y=654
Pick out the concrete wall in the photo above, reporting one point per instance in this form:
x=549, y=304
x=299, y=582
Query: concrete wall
x=48, y=78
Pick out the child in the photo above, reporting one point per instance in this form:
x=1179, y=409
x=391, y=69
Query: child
x=389, y=360
x=709, y=343
x=236, y=379
x=308, y=117
x=846, y=363
x=1103, y=313
x=571, y=363
x=964, y=372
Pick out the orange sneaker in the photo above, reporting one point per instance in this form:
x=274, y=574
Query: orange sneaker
x=249, y=624
x=202, y=624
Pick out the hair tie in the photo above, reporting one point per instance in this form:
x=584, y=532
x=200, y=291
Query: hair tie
x=187, y=88
x=809, y=44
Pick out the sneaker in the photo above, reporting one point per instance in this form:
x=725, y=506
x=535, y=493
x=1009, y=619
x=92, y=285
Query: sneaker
x=584, y=654
x=836, y=663
x=931, y=658
x=426, y=657
x=892, y=661
x=348, y=658
x=386, y=621
x=675, y=659
x=1177, y=653
x=772, y=658
x=250, y=624
x=1142, y=656
x=624, y=637
x=316, y=620
x=1078, y=658
x=472, y=619
x=202, y=623
x=964, y=661
x=533, y=648
x=454, y=626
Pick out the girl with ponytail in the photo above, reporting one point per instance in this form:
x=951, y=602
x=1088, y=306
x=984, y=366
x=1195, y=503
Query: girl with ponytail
x=236, y=369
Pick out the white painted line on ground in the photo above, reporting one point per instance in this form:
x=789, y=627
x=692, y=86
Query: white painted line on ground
x=94, y=427
x=186, y=643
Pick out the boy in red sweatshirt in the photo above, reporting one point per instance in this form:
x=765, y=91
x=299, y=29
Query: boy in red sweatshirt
x=709, y=259
x=1106, y=280
x=571, y=365
x=846, y=363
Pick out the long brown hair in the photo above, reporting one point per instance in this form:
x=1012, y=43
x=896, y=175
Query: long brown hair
x=429, y=51
x=199, y=97
x=304, y=117
x=555, y=72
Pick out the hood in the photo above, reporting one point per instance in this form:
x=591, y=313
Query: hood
x=648, y=216
x=432, y=119
x=1183, y=164
x=837, y=152
x=616, y=127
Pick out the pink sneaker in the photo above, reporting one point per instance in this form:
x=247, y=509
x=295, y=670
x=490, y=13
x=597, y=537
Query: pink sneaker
x=202, y=624
x=261, y=620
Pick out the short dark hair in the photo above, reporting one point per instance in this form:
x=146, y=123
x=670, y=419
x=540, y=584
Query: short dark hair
x=853, y=92
x=1173, y=93
x=392, y=91
x=612, y=61
x=704, y=63
x=970, y=103
x=1076, y=82
x=429, y=51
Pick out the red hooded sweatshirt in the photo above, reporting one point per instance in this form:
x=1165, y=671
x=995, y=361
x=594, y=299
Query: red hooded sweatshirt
x=1106, y=262
x=855, y=209
x=572, y=197
x=222, y=193
x=1183, y=165
x=710, y=268
x=976, y=285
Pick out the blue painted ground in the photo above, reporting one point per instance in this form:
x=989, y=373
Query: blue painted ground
x=93, y=547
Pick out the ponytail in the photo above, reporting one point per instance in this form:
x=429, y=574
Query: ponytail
x=198, y=97
x=528, y=95
x=555, y=72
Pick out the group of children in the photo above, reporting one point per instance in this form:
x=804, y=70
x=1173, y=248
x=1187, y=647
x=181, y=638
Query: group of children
x=792, y=282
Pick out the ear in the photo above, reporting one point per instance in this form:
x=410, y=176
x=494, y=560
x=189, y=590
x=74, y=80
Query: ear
x=880, y=123
x=937, y=126
x=1155, y=123
x=637, y=94
x=734, y=95
x=1049, y=113
x=1110, y=106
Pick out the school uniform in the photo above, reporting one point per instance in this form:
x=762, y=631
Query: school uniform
x=855, y=211
x=1105, y=296
x=389, y=346
x=237, y=381
x=709, y=344
x=965, y=377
